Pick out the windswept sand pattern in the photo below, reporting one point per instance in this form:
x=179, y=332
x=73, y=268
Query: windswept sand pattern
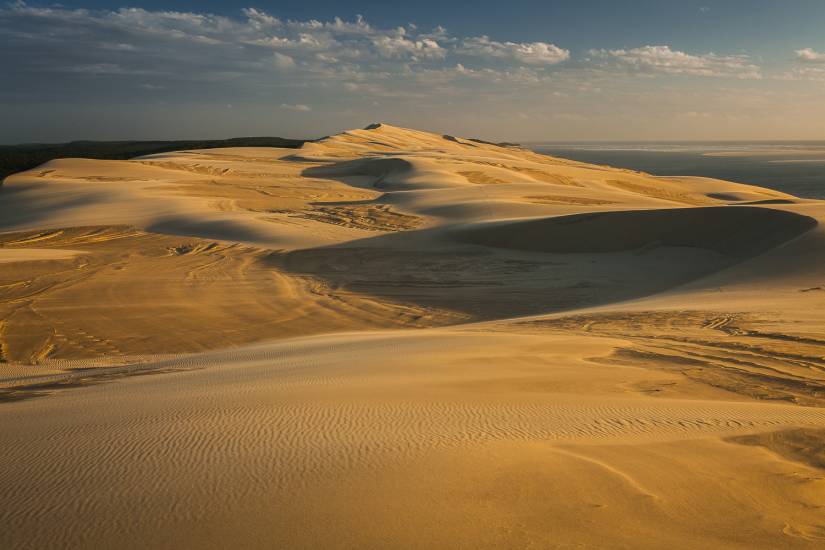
x=565, y=199
x=44, y=317
x=547, y=177
x=328, y=348
x=659, y=192
x=537, y=174
x=801, y=444
x=474, y=176
x=764, y=365
x=236, y=422
x=370, y=217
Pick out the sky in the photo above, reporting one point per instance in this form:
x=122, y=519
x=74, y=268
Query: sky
x=504, y=70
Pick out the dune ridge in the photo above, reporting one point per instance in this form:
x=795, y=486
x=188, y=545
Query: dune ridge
x=395, y=338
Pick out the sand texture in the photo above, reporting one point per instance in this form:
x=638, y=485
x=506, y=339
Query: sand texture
x=396, y=339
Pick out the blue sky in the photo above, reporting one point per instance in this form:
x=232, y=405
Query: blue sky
x=760, y=26
x=516, y=70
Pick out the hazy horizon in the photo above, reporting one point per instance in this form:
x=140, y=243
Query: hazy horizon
x=520, y=142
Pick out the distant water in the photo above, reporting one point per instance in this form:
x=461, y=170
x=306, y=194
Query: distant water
x=795, y=167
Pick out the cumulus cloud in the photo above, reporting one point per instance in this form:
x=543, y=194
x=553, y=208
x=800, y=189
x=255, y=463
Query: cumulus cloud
x=808, y=55
x=254, y=52
x=809, y=65
x=400, y=46
x=201, y=56
x=663, y=60
x=531, y=53
x=198, y=46
x=254, y=59
x=261, y=20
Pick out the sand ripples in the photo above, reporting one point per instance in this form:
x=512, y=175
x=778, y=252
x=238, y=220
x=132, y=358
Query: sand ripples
x=276, y=417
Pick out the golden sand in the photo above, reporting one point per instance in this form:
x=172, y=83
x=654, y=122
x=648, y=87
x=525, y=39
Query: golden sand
x=601, y=358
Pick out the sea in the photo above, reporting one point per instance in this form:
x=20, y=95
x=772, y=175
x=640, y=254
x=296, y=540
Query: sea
x=794, y=167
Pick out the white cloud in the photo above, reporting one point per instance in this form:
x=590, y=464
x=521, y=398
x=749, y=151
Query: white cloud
x=315, y=42
x=299, y=107
x=663, y=60
x=399, y=46
x=186, y=49
x=808, y=72
x=259, y=19
x=808, y=65
x=531, y=53
x=358, y=27
x=808, y=55
x=256, y=58
x=283, y=61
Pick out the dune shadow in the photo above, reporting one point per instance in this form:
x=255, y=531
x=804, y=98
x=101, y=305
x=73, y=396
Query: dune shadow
x=368, y=173
x=227, y=230
x=22, y=205
x=738, y=231
x=769, y=201
x=509, y=269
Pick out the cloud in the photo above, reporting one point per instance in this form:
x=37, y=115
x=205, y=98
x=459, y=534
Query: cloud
x=808, y=65
x=261, y=20
x=98, y=68
x=299, y=107
x=663, y=60
x=400, y=46
x=268, y=65
x=282, y=61
x=808, y=55
x=108, y=54
x=805, y=73
x=186, y=50
x=530, y=53
x=118, y=47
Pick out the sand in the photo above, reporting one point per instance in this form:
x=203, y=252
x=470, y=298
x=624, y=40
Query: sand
x=34, y=254
x=397, y=339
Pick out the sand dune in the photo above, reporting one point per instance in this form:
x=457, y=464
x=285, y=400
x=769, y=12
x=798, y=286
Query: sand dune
x=215, y=348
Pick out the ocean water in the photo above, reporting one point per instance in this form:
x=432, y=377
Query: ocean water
x=795, y=167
